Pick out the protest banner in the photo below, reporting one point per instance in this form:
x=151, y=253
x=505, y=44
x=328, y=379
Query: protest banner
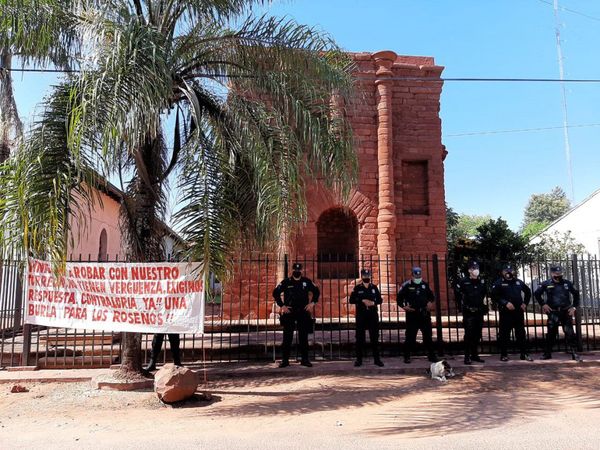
x=164, y=297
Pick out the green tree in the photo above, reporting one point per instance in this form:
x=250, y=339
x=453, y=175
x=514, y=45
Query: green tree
x=496, y=241
x=545, y=208
x=257, y=104
x=558, y=246
x=533, y=228
x=35, y=32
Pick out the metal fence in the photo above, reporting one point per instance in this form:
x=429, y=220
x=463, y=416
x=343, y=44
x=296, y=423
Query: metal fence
x=241, y=322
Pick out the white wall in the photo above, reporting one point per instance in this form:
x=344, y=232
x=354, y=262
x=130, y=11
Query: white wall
x=584, y=223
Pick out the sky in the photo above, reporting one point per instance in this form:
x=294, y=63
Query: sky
x=486, y=173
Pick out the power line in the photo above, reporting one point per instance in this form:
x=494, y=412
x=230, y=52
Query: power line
x=572, y=11
x=421, y=79
x=521, y=130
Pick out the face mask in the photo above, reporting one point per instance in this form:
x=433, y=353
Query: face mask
x=508, y=276
x=417, y=280
x=366, y=280
x=296, y=274
x=475, y=273
x=557, y=277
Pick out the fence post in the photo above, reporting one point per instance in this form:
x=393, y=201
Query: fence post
x=285, y=266
x=25, y=354
x=438, y=305
x=576, y=279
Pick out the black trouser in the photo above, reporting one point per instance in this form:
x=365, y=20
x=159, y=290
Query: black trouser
x=157, y=342
x=415, y=321
x=289, y=321
x=472, y=323
x=367, y=320
x=510, y=320
x=556, y=318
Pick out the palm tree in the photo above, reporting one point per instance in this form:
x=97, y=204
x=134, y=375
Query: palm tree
x=36, y=32
x=247, y=99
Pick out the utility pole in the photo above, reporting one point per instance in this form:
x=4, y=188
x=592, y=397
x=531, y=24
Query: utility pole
x=564, y=104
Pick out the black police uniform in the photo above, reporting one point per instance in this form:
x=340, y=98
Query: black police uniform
x=367, y=318
x=417, y=296
x=295, y=296
x=558, y=299
x=518, y=293
x=157, y=342
x=470, y=296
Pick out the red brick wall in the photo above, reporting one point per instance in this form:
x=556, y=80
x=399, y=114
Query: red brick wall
x=418, y=171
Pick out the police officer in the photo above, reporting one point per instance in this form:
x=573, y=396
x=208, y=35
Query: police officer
x=559, y=309
x=296, y=308
x=512, y=297
x=416, y=299
x=470, y=296
x=157, y=342
x=366, y=297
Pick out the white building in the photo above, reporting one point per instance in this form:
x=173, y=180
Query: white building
x=583, y=221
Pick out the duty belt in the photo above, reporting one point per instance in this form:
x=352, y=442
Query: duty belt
x=473, y=308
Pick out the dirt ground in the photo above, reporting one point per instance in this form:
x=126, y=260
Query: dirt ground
x=544, y=408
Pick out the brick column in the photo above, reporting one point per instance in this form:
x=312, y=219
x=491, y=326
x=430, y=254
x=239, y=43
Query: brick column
x=386, y=217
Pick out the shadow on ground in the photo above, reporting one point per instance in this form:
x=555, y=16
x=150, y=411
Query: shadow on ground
x=488, y=399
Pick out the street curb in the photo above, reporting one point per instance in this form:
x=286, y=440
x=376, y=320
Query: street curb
x=229, y=371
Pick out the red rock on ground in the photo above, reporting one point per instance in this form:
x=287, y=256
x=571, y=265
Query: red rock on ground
x=174, y=384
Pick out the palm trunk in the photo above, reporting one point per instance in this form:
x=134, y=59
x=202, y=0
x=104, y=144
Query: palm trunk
x=141, y=209
x=11, y=128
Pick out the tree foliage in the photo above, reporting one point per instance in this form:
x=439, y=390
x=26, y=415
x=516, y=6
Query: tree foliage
x=257, y=102
x=557, y=246
x=545, y=208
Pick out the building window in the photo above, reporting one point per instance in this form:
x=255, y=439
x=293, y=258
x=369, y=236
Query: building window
x=103, y=247
x=337, y=244
x=415, y=187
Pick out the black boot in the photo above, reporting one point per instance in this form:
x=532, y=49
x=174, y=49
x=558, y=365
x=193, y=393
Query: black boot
x=407, y=359
x=476, y=358
x=467, y=360
x=157, y=342
x=526, y=357
x=378, y=362
x=176, y=357
x=284, y=363
x=575, y=356
x=358, y=362
x=151, y=365
x=546, y=355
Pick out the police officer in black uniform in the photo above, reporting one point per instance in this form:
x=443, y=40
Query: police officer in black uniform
x=512, y=297
x=559, y=309
x=366, y=297
x=296, y=308
x=416, y=299
x=470, y=296
x=157, y=342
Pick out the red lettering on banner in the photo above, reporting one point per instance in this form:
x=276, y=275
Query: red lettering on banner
x=117, y=273
x=75, y=313
x=175, y=303
x=138, y=318
x=42, y=311
x=99, y=315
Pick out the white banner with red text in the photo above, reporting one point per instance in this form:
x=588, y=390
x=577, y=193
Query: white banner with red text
x=163, y=297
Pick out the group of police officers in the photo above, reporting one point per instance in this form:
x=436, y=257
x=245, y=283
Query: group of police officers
x=297, y=295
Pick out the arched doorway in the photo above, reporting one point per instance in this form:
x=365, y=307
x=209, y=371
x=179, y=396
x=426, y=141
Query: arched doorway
x=337, y=244
x=103, y=246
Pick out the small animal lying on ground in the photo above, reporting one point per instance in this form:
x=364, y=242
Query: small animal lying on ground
x=440, y=371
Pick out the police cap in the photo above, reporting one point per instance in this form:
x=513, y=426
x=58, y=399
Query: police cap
x=508, y=268
x=416, y=271
x=365, y=273
x=297, y=266
x=556, y=269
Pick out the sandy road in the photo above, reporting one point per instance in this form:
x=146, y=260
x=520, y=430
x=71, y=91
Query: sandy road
x=556, y=407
